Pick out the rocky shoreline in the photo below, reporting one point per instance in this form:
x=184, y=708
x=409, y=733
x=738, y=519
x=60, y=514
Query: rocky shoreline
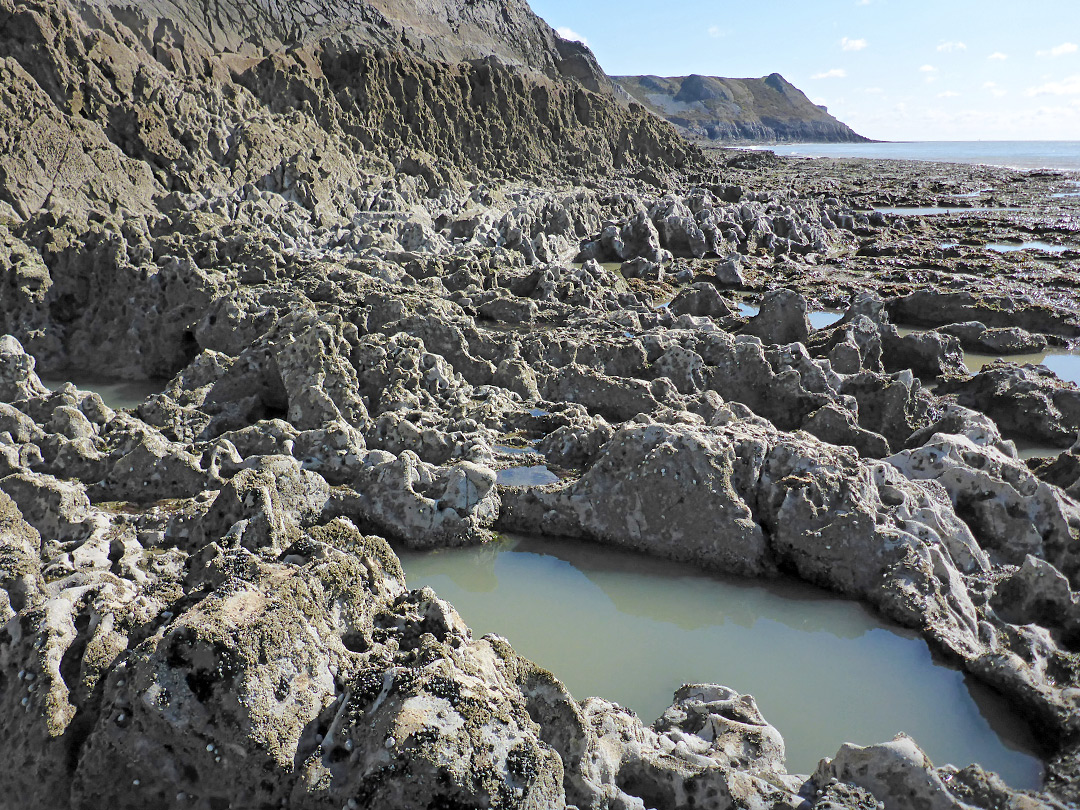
x=357, y=310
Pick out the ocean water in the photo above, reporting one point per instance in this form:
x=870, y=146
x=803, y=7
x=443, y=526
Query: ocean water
x=1062, y=155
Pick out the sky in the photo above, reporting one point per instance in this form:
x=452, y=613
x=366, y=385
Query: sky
x=890, y=69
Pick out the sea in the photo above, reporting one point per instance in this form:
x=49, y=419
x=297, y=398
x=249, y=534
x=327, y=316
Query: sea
x=1060, y=155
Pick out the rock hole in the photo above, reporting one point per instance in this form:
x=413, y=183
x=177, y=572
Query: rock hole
x=71, y=661
x=189, y=348
x=355, y=642
x=116, y=553
x=201, y=684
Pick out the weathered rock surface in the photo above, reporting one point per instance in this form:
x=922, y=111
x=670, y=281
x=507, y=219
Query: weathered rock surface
x=301, y=224
x=1026, y=401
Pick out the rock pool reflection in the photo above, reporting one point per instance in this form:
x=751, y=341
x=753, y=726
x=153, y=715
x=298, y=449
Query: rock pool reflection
x=537, y=475
x=633, y=629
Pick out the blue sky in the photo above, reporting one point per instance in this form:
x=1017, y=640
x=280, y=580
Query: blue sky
x=892, y=69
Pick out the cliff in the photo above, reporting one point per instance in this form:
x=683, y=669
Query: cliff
x=767, y=109
x=118, y=103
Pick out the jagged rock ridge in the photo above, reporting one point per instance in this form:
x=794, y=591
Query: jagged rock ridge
x=765, y=109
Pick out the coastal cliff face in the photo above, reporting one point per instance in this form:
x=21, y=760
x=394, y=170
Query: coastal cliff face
x=117, y=104
x=364, y=249
x=769, y=109
x=436, y=31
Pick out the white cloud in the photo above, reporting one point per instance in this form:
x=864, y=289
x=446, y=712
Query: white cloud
x=835, y=73
x=949, y=47
x=948, y=94
x=994, y=89
x=1066, y=87
x=998, y=56
x=571, y=35
x=716, y=32
x=852, y=44
x=928, y=69
x=1060, y=50
x=873, y=90
x=862, y=2
x=955, y=120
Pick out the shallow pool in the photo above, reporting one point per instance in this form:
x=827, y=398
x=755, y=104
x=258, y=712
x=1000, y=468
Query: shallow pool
x=633, y=629
x=113, y=392
x=930, y=211
x=1066, y=365
x=824, y=318
x=1012, y=247
x=748, y=310
x=536, y=475
x=1027, y=450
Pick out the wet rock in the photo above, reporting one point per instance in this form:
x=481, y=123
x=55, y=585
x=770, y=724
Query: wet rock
x=934, y=308
x=835, y=425
x=977, y=337
x=896, y=773
x=702, y=299
x=1009, y=510
x=926, y=354
x=781, y=319
x=642, y=268
x=1025, y=401
x=17, y=377
x=728, y=273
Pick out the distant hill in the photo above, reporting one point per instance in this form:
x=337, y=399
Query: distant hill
x=716, y=109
